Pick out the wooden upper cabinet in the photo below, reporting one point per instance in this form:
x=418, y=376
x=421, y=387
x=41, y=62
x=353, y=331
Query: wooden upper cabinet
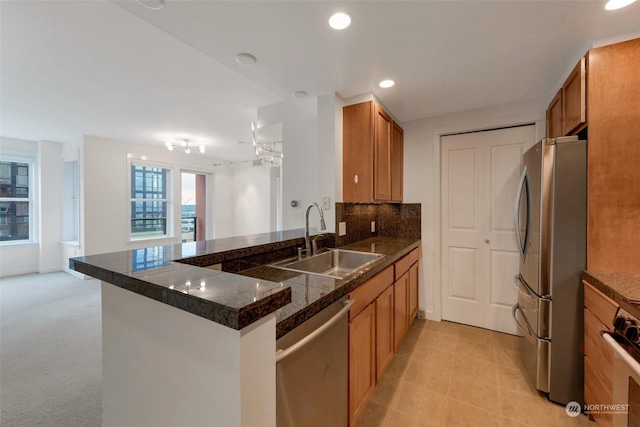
x=614, y=155
x=357, y=152
x=372, y=154
x=397, y=153
x=381, y=155
x=574, y=99
x=554, y=116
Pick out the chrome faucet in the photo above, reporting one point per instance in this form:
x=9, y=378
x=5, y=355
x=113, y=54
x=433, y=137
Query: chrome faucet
x=307, y=242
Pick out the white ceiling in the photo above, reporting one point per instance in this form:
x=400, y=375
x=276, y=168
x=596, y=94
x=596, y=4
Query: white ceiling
x=122, y=71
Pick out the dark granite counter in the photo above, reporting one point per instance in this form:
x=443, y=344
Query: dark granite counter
x=310, y=293
x=623, y=288
x=177, y=275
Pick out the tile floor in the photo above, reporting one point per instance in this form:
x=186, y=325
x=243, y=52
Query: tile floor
x=447, y=374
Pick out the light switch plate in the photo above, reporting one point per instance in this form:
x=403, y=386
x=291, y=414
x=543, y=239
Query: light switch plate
x=342, y=229
x=326, y=203
x=373, y=226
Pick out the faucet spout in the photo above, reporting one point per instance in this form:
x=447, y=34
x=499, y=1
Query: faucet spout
x=307, y=242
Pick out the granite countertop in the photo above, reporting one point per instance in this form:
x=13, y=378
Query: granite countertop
x=620, y=287
x=177, y=275
x=310, y=293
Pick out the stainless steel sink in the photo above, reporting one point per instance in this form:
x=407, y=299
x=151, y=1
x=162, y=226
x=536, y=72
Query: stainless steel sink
x=336, y=263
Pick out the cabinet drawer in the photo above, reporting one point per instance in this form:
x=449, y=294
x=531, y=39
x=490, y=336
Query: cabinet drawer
x=415, y=255
x=597, y=349
x=402, y=266
x=596, y=393
x=366, y=293
x=600, y=305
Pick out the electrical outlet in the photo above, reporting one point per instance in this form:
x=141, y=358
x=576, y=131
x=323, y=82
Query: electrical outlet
x=342, y=229
x=373, y=226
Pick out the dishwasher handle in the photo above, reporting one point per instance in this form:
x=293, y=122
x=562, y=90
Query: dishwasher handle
x=281, y=355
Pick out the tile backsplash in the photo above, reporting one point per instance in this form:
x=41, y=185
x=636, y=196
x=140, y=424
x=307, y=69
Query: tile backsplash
x=392, y=220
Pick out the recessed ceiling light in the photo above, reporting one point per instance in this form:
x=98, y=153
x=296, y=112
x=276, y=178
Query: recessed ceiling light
x=246, y=59
x=386, y=83
x=152, y=4
x=300, y=94
x=339, y=21
x=617, y=4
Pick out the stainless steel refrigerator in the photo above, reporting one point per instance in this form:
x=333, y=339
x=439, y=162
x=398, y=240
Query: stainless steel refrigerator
x=551, y=229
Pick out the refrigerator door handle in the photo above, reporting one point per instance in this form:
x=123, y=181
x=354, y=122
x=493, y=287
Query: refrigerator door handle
x=524, y=181
x=520, y=285
x=526, y=329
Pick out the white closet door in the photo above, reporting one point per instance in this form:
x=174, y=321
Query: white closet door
x=478, y=199
x=462, y=229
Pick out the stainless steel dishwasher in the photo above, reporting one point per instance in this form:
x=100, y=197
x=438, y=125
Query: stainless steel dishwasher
x=311, y=370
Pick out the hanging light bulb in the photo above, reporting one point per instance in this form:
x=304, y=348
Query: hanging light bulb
x=201, y=148
x=184, y=142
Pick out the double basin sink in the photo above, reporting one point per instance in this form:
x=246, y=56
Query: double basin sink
x=335, y=263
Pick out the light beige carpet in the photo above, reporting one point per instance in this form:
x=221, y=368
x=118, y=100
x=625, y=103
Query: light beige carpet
x=50, y=351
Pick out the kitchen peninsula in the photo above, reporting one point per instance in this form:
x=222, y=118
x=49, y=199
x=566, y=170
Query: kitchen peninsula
x=184, y=344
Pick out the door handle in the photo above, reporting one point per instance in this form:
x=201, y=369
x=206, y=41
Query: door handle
x=524, y=181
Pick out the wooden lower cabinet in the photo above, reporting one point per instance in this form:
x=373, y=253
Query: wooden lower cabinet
x=362, y=361
x=599, y=311
x=413, y=291
x=378, y=320
x=596, y=392
x=384, y=331
x=401, y=311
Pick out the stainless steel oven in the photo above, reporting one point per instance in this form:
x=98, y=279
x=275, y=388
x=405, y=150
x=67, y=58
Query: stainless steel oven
x=626, y=383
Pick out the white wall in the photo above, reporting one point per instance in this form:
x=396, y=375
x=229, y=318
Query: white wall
x=50, y=206
x=24, y=257
x=311, y=143
x=106, y=191
x=238, y=198
x=222, y=207
x=222, y=377
x=422, y=175
x=329, y=154
x=251, y=199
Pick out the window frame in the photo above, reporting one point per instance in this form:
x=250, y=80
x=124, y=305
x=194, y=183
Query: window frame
x=30, y=159
x=168, y=199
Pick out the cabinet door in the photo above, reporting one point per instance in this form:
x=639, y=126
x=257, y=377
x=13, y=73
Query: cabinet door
x=384, y=331
x=381, y=155
x=400, y=308
x=596, y=392
x=397, y=148
x=413, y=292
x=357, y=152
x=574, y=108
x=554, y=116
x=362, y=364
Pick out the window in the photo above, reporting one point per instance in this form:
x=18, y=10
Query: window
x=149, y=201
x=16, y=200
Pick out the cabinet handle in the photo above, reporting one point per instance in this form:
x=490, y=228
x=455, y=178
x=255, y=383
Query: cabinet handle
x=355, y=179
